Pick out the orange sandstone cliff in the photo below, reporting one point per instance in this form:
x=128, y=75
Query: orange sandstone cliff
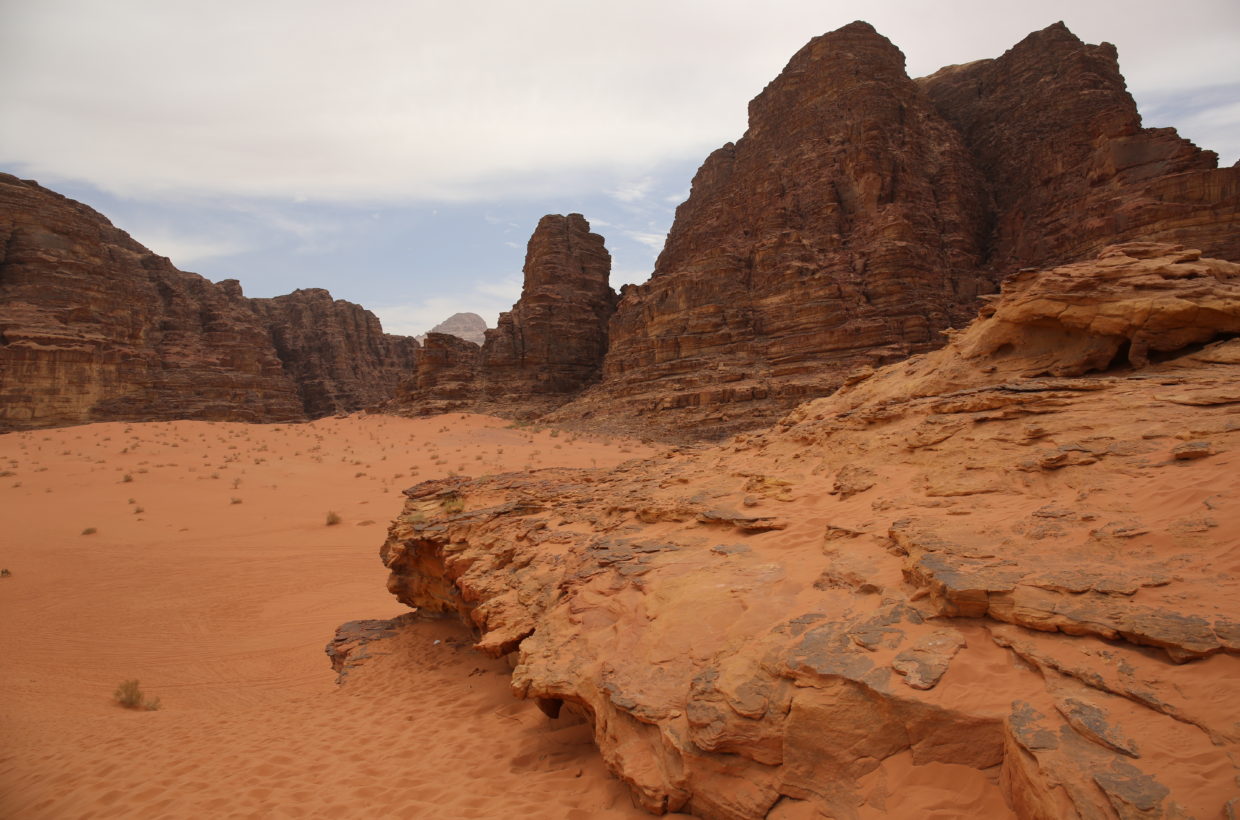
x=542, y=352
x=95, y=327
x=862, y=213
x=998, y=579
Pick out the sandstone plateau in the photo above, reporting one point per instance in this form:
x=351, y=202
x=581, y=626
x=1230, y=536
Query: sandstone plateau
x=862, y=214
x=996, y=579
x=95, y=327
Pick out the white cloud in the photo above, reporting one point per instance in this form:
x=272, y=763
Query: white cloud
x=396, y=101
x=650, y=240
x=187, y=251
x=633, y=191
x=488, y=299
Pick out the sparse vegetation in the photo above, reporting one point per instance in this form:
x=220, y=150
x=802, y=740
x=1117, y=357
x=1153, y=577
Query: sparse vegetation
x=129, y=694
x=453, y=505
x=4, y=573
x=126, y=478
x=234, y=501
x=89, y=531
x=333, y=519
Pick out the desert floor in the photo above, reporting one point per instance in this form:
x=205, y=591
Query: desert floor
x=196, y=557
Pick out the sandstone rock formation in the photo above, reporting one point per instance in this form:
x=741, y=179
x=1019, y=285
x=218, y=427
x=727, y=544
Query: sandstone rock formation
x=1006, y=569
x=553, y=340
x=446, y=377
x=862, y=213
x=1069, y=168
x=335, y=351
x=95, y=327
x=542, y=352
x=468, y=326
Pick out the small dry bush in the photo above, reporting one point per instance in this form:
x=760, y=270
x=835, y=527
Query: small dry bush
x=332, y=519
x=129, y=694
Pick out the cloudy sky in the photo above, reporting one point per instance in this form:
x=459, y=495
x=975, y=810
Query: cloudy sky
x=399, y=153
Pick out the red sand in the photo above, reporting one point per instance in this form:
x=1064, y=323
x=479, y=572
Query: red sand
x=221, y=609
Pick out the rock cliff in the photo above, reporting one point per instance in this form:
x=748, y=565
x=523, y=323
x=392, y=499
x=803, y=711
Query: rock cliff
x=335, y=351
x=553, y=340
x=998, y=579
x=95, y=327
x=446, y=378
x=862, y=213
x=543, y=351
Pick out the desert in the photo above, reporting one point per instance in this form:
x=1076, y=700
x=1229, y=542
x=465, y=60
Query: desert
x=212, y=577
x=903, y=482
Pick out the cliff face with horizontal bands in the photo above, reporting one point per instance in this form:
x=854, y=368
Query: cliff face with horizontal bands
x=862, y=213
x=542, y=352
x=95, y=327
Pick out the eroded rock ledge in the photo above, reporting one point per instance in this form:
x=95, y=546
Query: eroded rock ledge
x=973, y=560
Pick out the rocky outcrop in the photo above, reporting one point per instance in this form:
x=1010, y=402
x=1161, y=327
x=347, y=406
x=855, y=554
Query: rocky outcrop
x=335, y=351
x=988, y=568
x=553, y=340
x=446, y=378
x=543, y=351
x=95, y=327
x=468, y=326
x=862, y=213
x=1055, y=134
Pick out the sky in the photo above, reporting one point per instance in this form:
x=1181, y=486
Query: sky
x=400, y=152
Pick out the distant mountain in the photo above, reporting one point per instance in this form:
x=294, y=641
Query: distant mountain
x=468, y=326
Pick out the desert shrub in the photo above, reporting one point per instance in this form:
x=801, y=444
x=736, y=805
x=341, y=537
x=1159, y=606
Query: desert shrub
x=234, y=501
x=89, y=531
x=129, y=694
x=126, y=478
x=453, y=505
x=332, y=519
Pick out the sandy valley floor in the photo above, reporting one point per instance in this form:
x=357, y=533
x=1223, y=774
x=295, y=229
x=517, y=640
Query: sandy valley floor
x=196, y=558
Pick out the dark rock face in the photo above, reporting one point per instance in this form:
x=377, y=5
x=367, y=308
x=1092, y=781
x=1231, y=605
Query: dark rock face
x=543, y=351
x=446, y=377
x=863, y=212
x=335, y=351
x=553, y=340
x=1069, y=168
x=95, y=327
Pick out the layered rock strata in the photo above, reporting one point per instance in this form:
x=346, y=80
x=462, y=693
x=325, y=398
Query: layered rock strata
x=975, y=568
x=1069, y=169
x=862, y=213
x=446, y=377
x=95, y=327
x=334, y=351
x=553, y=340
x=543, y=351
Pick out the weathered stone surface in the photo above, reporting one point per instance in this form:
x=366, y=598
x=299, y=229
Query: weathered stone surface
x=446, y=377
x=845, y=228
x=553, y=340
x=863, y=213
x=1055, y=134
x=543, y=351
x=335, y=351
x=95, y=327
x=1073, y=629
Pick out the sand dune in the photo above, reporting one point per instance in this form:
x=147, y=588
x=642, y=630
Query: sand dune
x=212, y=577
